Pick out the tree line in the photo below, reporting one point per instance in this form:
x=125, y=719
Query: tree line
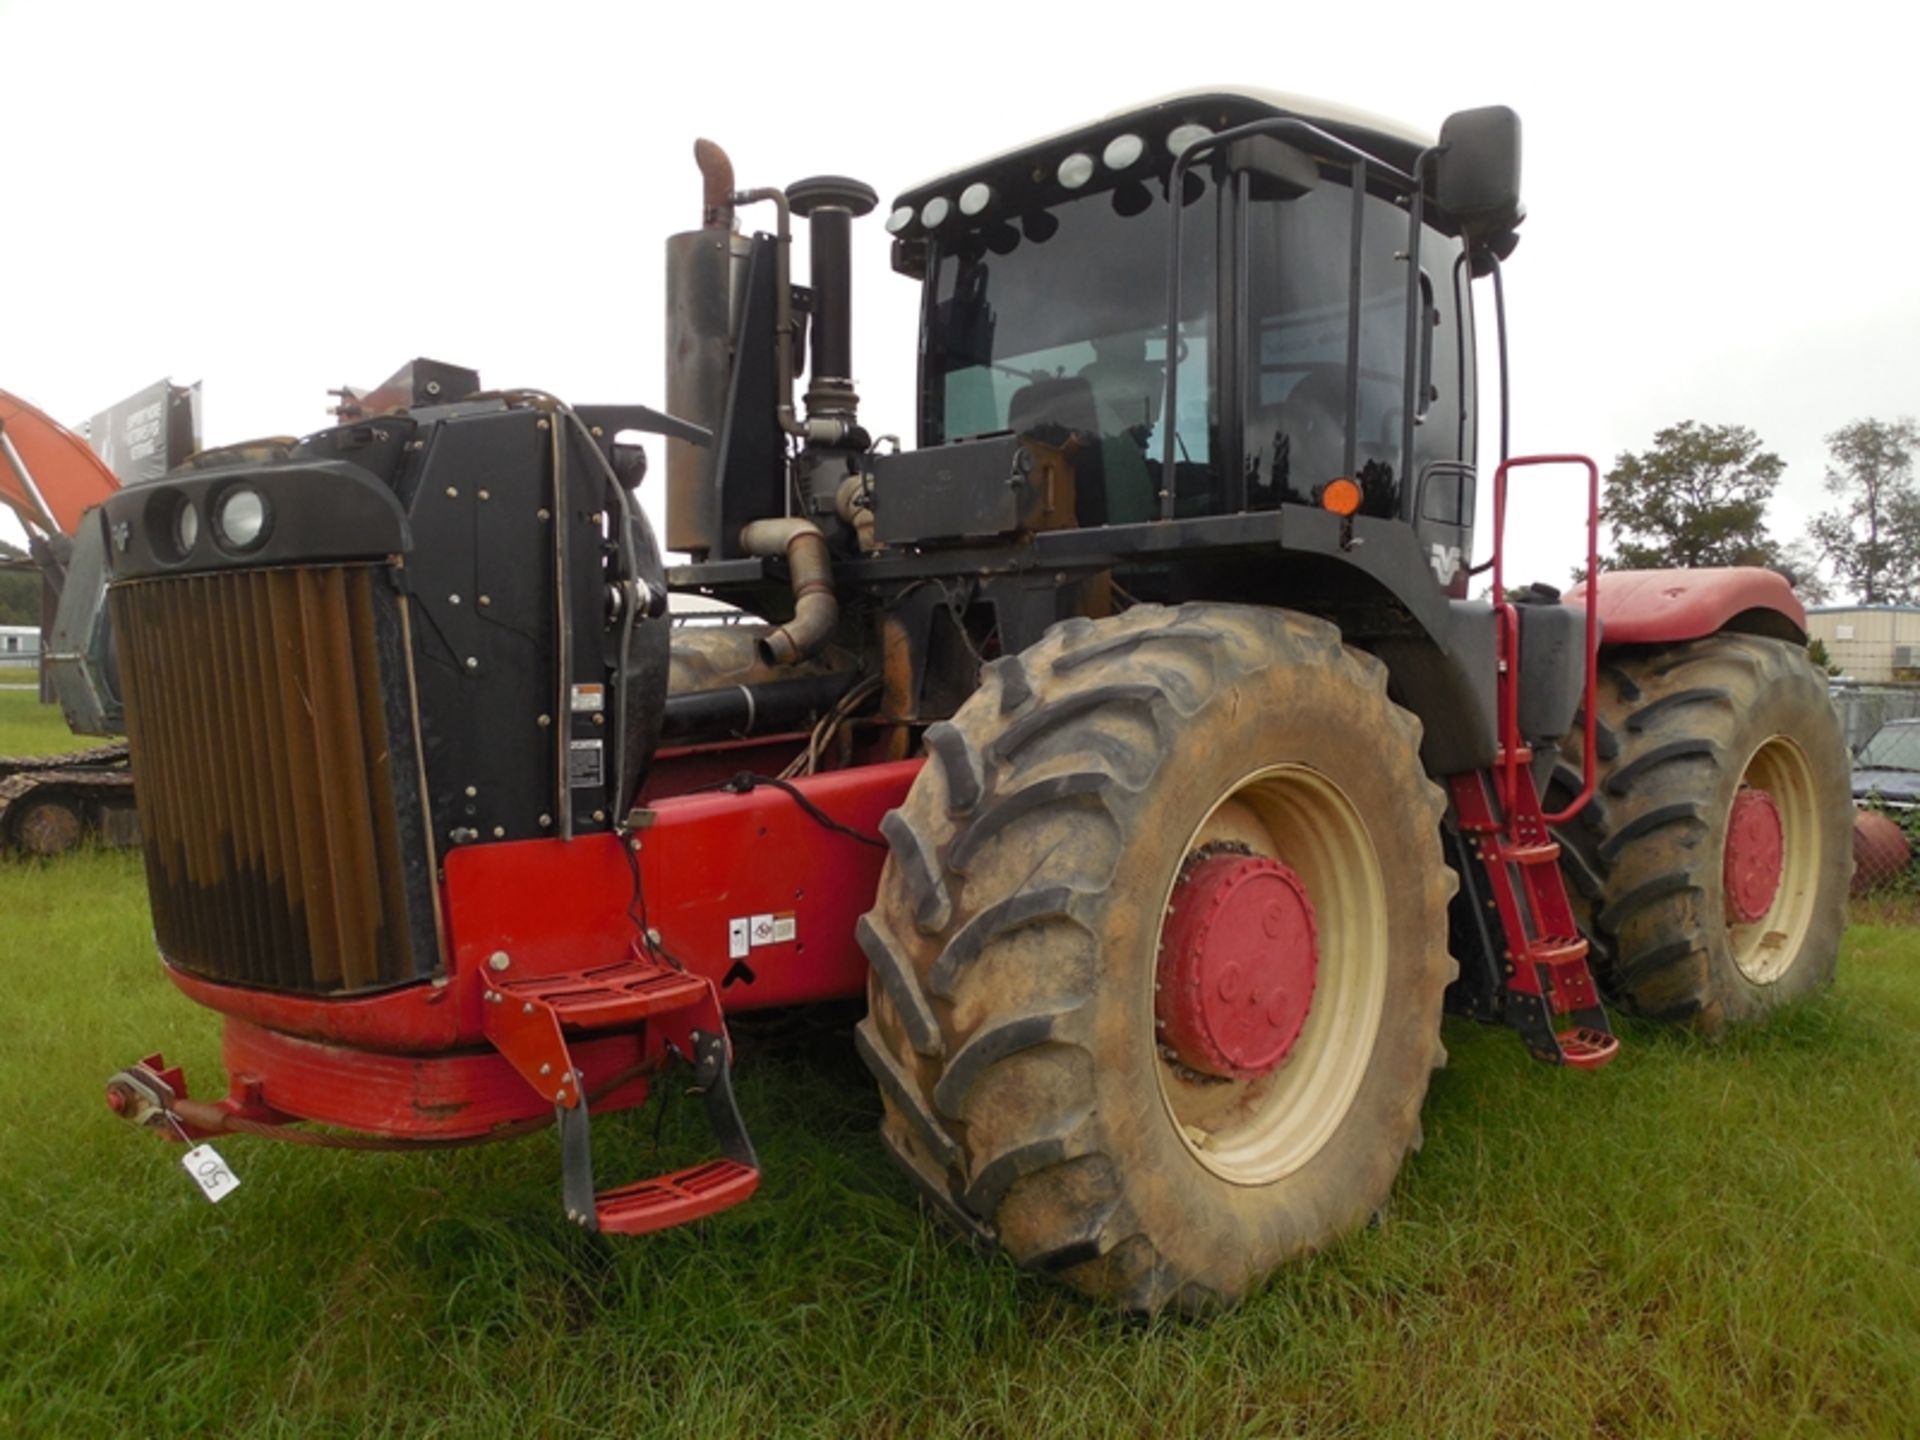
x=1698, y=497
x=19, y=587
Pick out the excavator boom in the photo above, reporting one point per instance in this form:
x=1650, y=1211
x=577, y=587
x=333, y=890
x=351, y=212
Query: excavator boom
x=48, y=474
x=49, y=477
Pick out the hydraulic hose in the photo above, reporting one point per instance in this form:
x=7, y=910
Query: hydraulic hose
x=810, y=570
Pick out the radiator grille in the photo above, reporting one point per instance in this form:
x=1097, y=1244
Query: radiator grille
x=275, y=772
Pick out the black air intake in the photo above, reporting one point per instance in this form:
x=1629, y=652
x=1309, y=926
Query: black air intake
x=830, y=204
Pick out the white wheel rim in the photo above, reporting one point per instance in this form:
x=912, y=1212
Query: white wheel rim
x=1259, y=1131
x=1766, y=949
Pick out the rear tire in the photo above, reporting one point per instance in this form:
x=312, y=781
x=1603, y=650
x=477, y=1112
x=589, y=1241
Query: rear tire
x=1015, y=946
x=1681, y=732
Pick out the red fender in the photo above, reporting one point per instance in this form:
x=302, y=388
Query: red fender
x=1661, y=607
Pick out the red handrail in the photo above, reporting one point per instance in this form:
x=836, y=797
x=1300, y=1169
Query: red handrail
x=1509, y=636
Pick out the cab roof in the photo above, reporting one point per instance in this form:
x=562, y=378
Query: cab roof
x=1215, y=107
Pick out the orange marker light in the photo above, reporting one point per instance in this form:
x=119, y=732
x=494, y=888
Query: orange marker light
x=1341, y=496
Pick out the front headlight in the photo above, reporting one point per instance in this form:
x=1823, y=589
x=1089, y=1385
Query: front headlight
x=186, y=527
x=241, y=518
x=1075, y=171
x=1184, y=137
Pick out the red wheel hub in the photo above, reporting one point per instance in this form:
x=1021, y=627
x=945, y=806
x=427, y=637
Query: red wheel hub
x=1238, y=959
x=1756, y=851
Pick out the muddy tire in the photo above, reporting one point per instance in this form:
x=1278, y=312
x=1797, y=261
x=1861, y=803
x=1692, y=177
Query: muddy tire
x=1685, y=734
x=1016, y=939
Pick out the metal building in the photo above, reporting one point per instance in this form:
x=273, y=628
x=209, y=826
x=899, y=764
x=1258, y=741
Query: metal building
x=1870, y=643
x=19, y=642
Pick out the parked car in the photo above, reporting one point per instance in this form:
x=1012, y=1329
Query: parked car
x=1886, y=772
x=1886, y=782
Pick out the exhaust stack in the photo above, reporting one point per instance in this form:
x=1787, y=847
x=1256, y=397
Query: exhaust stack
x=716, y=186
x=706, y=274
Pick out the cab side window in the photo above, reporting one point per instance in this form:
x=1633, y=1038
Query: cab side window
x=1301, y=293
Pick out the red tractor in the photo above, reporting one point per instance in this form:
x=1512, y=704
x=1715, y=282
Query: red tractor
x=1134, y=745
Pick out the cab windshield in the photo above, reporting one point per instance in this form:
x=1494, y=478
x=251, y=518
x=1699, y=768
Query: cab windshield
x=1058, y=317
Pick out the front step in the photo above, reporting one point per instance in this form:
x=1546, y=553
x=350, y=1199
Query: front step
x=669, y=1200
x=1585, y=1048
x=603, y=997
x=527, y=1021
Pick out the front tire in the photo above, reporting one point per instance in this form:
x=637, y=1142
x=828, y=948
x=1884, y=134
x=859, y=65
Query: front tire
x=1028, y=1078
x=1696, y=745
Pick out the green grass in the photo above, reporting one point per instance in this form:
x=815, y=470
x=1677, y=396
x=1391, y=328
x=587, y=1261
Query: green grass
x=26, y=726
x=1696, y=1241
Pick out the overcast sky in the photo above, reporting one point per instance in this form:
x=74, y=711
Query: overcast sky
x=276, y=198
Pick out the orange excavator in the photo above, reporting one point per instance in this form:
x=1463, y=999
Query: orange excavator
x=52, y=479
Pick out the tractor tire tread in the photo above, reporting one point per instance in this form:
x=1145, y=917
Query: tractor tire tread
x=1644, y=872
x=1002, y=860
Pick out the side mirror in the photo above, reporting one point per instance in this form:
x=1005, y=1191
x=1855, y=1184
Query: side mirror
x=1477, y=174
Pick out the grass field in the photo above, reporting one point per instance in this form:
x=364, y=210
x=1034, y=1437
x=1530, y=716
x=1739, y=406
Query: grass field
x=26, y=726
x=1696, y=1241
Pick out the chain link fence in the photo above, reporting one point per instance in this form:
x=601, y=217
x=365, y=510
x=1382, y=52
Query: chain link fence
x=1882, y=850
x=1883, y=835
x=1864, y=709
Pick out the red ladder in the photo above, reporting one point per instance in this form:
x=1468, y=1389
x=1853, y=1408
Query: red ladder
x=1548, y=995
x=1545, y=964
x=527, y=1019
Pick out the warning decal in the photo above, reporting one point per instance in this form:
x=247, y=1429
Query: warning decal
x=586, y=763
x=770, y=929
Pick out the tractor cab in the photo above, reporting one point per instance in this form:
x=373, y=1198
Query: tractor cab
x=1319, y=324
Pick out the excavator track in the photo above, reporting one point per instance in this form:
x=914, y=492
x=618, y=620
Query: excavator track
x=49, y=804
x=100, y=757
